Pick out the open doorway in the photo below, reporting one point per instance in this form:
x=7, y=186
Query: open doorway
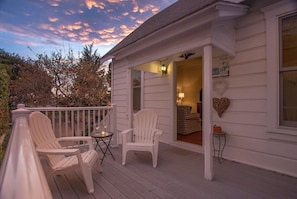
x=189, y=100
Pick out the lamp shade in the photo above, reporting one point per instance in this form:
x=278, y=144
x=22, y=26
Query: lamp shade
x=181, y=95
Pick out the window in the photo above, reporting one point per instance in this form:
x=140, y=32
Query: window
x=288, y=70
x=281, y=42
x=136, y=78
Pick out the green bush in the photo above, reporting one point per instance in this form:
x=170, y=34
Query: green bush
x=4, y=111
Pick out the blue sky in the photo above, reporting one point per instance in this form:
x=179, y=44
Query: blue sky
x=29, y=27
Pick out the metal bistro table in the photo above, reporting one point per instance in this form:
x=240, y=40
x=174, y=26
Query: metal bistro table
x=104, y=137
x=221, y=137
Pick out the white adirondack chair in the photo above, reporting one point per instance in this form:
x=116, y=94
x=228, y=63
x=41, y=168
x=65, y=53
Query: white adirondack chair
x=143, y=136
x=60, y=158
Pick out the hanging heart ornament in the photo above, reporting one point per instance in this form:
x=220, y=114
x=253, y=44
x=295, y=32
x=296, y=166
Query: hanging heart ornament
x=220, y=105
x=220, y=87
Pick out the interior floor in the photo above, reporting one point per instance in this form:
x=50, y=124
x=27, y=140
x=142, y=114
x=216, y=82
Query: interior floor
x=193, y=138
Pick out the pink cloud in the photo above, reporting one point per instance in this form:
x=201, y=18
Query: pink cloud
x=53, y=19
x=93, y=3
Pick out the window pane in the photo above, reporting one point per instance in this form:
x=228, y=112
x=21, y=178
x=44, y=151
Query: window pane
x=289, y=40
x=136, y=76
x=289, y=86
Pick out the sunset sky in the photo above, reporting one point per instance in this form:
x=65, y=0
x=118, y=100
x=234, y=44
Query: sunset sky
x=30, y=27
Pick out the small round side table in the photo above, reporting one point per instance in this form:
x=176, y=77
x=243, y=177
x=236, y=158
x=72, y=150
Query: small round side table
x=218, y=150
x=104, y=137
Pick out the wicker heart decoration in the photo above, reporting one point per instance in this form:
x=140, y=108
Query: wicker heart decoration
x=220, y=105
x=220, y=87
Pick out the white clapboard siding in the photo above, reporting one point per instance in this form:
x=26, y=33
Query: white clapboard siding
x=257, y=53
x=258, y=79
x=265, y=146
x=120, y=97
x=246, y=118
x=258, y=159
x=156, y=97
x=246, y=93
x=258, y=66
x=251, y=30
x=257, y=40
x=253, y=17
x=242, y=118
x=255, y=105
x=244, y=130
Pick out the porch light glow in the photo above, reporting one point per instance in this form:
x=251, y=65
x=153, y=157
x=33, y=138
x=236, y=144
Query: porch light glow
x=163, y=69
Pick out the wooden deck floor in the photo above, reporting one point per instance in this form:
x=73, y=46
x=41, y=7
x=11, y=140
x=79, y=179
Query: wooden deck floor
x=179, y=175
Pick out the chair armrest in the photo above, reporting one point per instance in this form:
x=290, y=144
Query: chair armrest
x=157, y=135
x=125, y=134
x=58, y=151
x=75, y=138
x=75, y=152
x=78, y=138
x=127, y=131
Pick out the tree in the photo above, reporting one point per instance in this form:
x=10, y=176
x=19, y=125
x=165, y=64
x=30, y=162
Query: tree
x=62, y=71
x=58, y=80
x=90, y=84
x=32, y=85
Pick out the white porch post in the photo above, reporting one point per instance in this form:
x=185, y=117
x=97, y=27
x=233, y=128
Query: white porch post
x=207, y=107
x=114, y=129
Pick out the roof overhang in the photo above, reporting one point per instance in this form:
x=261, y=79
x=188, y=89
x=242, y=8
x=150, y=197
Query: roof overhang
x=215, y=12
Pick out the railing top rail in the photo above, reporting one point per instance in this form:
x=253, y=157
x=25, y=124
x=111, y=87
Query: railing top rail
x=21, y=174
x=68, y=108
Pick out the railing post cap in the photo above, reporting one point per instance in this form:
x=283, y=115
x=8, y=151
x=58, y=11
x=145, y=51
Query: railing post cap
x=21, y=106
x=20, y=112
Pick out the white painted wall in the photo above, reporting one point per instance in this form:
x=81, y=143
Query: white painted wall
x=246, y=118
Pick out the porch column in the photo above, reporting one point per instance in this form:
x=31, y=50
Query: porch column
x=114, y=129
x=207, y=107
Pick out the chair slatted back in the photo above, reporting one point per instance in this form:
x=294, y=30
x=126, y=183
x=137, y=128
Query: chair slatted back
x=144, y=126
x=43, y=135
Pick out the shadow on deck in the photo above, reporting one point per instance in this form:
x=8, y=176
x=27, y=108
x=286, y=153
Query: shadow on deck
x=179, y=175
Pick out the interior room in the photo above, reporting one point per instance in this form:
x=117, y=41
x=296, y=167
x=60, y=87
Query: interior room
x=189, y=100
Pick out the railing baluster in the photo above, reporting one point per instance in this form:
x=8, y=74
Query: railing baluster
x=84, y=123
x=66, y=123
x=60, y=124
x=78, y=122
x=89, y=122
x=72, y=124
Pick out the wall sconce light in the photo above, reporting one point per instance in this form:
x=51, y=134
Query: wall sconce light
x=164, y=69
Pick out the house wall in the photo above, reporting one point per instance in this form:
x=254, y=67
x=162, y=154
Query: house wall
x=246, y=118
x=156, y=95
x=245, y=121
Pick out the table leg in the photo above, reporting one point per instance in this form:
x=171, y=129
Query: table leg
x=221, y=145
x=107, y=144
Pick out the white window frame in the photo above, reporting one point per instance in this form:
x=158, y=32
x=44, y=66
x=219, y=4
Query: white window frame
x=272, y=15
x=141, y=91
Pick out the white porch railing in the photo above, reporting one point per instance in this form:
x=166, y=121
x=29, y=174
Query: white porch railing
x=81, y=121
x=21, y=174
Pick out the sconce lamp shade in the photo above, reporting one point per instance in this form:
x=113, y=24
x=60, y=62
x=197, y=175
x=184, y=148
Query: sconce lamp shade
x=181, y=95
x=164, y=69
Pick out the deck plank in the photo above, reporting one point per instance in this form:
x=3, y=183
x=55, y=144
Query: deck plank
x=144, y=187
x=179, y=175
